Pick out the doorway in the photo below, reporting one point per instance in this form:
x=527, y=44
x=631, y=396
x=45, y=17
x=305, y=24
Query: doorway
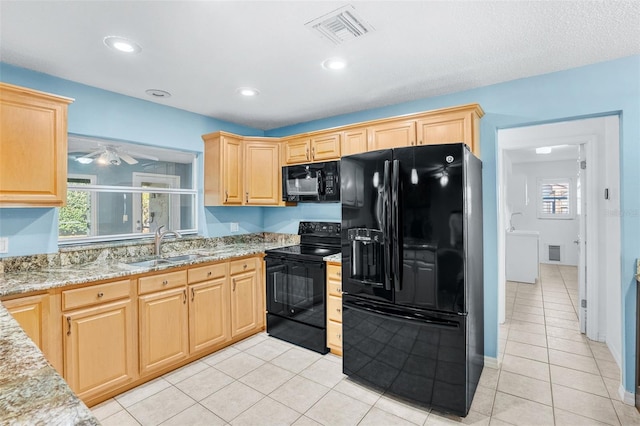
x=155, y=208
x=594, y=167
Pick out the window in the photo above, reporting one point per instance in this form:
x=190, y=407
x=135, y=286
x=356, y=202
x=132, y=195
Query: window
x=119, y=190
x=555, y=198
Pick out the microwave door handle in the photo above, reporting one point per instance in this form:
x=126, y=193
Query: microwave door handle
x=395, y=223
x=320, y=183
x=386, y=229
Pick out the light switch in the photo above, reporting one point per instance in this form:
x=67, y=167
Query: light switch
x=234, y=227
x=4, y=245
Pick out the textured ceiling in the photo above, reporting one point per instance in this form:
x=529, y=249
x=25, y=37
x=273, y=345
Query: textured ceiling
x=202, y=51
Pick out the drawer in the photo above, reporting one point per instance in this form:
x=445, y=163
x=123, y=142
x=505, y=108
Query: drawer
x=208, y=272
x=100, y=293
x=334, y=288
x=161, y=281
x=334, y=308
x=334, y=272
x=334, y=334
x=242, y=265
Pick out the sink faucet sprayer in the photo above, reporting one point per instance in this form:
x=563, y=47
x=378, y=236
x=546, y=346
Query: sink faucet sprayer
x=160, y=234
x=511, y=227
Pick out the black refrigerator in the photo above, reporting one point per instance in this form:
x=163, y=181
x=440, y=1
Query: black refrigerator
x=412, y=273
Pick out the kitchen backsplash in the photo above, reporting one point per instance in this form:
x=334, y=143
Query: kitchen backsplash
x=80, y=254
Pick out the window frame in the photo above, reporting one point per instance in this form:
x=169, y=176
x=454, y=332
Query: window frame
x=570, y=198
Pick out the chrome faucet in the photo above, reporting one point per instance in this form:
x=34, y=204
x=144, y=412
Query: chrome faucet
x=511, y=227
x=160, y=234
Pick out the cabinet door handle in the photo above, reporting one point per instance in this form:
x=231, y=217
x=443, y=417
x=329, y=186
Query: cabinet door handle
x=184, y=294
x=244, y=266
x=100, y=294
x=246, y=195
x=307, y=153
x=165, y=282
x=68, y=326
x=313, y=153
x=412, y=143
x=193, y=294
x=420, y=143
x=339, y=273
x=226, y=195
x=338, y=310
x=209, y=273
x=234, y=284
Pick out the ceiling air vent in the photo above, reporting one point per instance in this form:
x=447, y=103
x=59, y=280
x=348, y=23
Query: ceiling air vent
x=341, y=25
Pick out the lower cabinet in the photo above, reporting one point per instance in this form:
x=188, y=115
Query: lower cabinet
x=32, y=313
x=163, y=321
x=209, y=322
x=334, y=307
x=245, y=313
x=100, y=351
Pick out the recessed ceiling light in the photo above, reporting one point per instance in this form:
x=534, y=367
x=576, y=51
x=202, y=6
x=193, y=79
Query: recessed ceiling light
x=334, y=64
x=122, y=44
x=543, y=150
x=248, y=91
x=157, y=93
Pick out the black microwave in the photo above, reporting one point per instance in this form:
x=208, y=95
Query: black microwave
x=312, y=183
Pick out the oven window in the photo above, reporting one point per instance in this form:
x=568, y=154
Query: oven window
x=296, y=290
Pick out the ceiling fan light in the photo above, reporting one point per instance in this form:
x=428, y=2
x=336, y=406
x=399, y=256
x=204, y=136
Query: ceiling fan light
x=84, y=160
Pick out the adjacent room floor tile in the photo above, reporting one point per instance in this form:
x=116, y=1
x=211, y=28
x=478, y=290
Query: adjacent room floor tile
x=519, y=411
x=525, y=387
x=584, y=404
x=526, y=367
x=575, y=379
x=577, y=362
x=525, y=350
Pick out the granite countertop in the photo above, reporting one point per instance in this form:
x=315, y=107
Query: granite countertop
x=333, y=258
x=31, y=391
x=638, y=270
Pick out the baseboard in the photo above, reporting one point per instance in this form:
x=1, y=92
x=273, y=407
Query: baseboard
x=491, y=362
x=626, y=396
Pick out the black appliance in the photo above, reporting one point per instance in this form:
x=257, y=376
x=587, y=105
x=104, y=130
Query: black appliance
x=296, y=283
x=412, y=272
x=313, y=182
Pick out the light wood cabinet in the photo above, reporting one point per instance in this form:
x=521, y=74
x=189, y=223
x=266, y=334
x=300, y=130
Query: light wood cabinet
x=100, y=349
x=334, y=307
x=262, y=181
x=241, y=171
x=223, y=172
x=460, y=124
x=209, y=322
x=32, y=313
x=33, y=148
x=315, y=148
x=245, y=298
x=163, y=320
x=394, y=134
x=354, y=141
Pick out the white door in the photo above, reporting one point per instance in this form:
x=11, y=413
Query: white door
x=581, y=240
x=154, y=208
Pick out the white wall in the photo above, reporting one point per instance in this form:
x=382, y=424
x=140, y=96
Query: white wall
x=522, y=197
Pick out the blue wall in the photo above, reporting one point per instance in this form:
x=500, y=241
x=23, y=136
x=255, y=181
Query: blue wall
x=611, y=87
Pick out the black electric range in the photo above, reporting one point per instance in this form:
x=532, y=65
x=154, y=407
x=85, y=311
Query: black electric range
x=296, y=289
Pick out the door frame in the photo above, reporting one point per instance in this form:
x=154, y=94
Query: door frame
x=172, y=181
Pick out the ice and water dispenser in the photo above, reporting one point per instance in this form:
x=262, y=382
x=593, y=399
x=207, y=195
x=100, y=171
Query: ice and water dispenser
x=367, y=254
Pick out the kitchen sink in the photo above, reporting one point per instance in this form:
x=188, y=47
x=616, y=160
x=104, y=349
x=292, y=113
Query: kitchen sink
x=150, y=263
x=183, y=257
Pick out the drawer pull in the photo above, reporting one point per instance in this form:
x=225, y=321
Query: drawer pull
x=209, y=273
x=100, y=294
x=339, y=273
x=165, y=282
x=68, y=326
x=226, y=196
x=244, y=266
x=338, y=310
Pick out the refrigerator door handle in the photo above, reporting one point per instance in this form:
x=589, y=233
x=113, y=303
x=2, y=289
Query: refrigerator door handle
x=400, y=315
x=386, y=225
x=395, y=224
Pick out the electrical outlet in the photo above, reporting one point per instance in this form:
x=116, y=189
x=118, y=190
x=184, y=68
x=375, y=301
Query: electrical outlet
x=234, y=227
x=4, y=245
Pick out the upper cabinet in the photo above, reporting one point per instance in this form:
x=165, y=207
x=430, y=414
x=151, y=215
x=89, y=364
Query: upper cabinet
x=461, y=124
x=392, y=134
x=241, y=171
x=354, y=141
x=33, y=148
x=319, y=147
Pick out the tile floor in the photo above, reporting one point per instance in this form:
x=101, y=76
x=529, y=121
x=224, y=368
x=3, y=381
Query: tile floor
x=550, y=374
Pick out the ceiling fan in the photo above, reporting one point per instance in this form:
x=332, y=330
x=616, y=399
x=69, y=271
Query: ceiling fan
x=112, y=154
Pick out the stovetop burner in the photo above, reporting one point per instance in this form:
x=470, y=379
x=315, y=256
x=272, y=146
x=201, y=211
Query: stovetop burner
x=317, y=240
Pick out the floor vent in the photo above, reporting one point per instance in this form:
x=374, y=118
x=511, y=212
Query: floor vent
x=340, y=26
x=554, y=253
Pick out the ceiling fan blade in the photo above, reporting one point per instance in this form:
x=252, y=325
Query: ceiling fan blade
x=126, y=157
x=146, y=156
x=93, y=154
